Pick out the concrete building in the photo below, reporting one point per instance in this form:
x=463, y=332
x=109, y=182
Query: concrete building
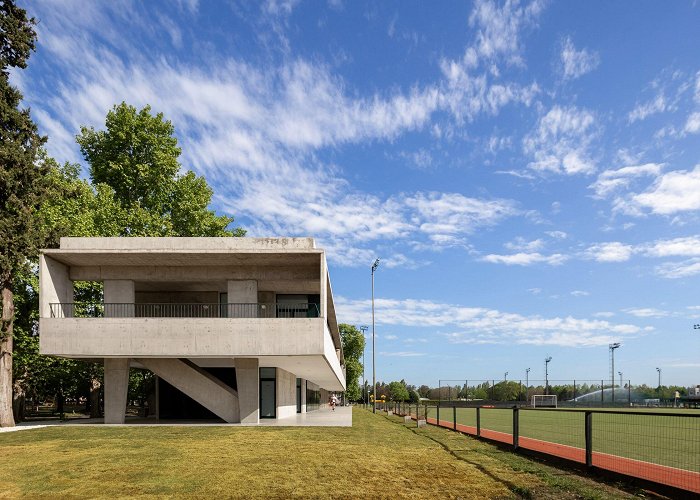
x=237, y=328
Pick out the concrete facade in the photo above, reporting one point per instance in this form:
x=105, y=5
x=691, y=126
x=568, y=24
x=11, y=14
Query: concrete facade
x=181, y=307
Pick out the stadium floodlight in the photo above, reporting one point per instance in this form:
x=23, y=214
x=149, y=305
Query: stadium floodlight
x=364, y=329
x=620, y=374
x=375, y=265
x=659, y=386
x=546, y=374
x=611, y=348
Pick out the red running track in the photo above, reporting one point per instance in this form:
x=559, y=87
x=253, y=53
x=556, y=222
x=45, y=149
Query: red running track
x=670, y=476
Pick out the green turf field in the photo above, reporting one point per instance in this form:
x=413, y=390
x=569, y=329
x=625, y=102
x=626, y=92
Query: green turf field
x=673, y=441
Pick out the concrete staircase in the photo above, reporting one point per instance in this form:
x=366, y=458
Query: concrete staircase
x=198, y=384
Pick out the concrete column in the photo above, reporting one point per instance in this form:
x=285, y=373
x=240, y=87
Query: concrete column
x=303, y=395
x=55, y=287
x=286, y=394
x=120, y=298
x=243, y=292
x=116, y=389
x=248, y=385
x=323, y=299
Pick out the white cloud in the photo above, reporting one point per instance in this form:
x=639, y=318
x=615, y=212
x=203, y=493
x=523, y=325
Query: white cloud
x=522, y=245
x=390, y=337
x=402, y=354
x=535, y=291
x=604, y=314
x=482, y=325
x=525, y=259
x=561, y=140
x=647, y=312
x=576, y=63
x=449, y=214
x=580, y=293
x=692, y=125
x=609, y=252
x=557, y=235
x=675, y=270
x=676, y=191
x=642, y=111
x=688, y=246
x=611, y=181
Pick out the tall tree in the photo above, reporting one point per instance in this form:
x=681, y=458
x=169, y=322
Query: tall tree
x=22, y=183
x=137, y=157
x=353, y=347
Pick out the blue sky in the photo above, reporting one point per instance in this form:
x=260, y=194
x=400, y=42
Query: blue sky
x=528, y=173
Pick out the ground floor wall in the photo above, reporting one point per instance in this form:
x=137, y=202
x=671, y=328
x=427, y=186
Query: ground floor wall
x=178, y=396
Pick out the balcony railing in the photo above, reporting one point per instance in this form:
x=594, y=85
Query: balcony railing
x=132, y=310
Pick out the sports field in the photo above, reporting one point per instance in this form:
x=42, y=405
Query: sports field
x=663, y=448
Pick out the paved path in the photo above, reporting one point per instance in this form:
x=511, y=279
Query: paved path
x=341, y=417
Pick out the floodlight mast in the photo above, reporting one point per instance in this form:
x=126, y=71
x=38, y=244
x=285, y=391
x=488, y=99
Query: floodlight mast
x=364, y=329
x=375, y=265
x=527, y=383
x=659, y=386
x=546, y=374
x=611, y=348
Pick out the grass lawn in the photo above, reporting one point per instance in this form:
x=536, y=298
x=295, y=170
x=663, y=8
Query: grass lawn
x=665, y=440
x=378, y=457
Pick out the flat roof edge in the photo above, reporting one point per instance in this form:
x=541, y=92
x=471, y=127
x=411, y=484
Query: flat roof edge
x=186, y=244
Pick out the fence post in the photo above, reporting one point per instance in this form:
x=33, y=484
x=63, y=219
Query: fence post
x=516, y=427
x=589, y=439
x=438, y=413
x=478, y=421
x=629, y=393
x=574, y=389
x=602, y=393
x=454, y=416
x=426, y=413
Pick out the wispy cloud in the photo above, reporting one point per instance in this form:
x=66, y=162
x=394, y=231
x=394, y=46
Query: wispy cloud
x=526, y=259
x=482, y=325
x=613, y=251
x=560, y=142
x=576, y=63
x=647, y=312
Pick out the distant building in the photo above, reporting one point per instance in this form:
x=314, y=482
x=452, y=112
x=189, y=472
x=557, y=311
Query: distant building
x=235, y=328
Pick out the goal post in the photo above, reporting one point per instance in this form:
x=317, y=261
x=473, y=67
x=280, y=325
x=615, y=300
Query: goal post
x=544, y=401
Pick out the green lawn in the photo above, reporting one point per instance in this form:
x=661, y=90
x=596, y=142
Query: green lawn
x=378, y=457
x=666, y=440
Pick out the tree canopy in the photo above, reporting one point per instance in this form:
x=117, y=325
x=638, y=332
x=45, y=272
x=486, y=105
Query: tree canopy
x=136, y=156
x=353, y=347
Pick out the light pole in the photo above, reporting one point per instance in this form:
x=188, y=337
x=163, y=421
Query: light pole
x=527, y=383
x=612, y=348
x=546, y=374
x=364, y=329
x=505, y=377
x=659, y=387
x=620, y=374
x=375, y=265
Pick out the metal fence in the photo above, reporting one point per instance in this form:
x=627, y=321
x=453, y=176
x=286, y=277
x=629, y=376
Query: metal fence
x=654, y=445
x=169, y=310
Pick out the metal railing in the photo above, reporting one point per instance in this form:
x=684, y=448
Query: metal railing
x=654, y=445
x=211, y=310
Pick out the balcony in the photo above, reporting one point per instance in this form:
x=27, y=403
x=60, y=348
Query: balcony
x=170, y=310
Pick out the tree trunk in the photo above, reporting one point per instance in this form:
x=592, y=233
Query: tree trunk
x=19, y=399
x=95, y=384
x=8, y=313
